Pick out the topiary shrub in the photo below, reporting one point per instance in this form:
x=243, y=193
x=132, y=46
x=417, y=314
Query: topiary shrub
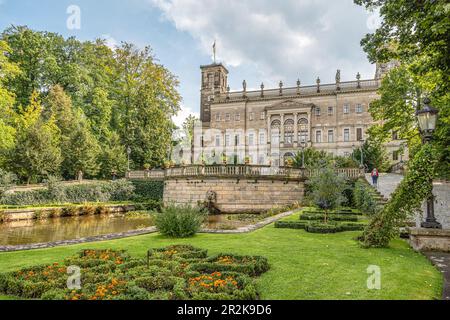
x=145, y=191
x=317, y=227
x=290, y=224
x=363, y=198
x=331, y=217
x=179, y=221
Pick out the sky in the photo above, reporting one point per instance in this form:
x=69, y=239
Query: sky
x=257, y=40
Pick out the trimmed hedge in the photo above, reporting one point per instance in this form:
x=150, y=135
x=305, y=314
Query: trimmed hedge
x=291, y=224
x=331, y=217
x=173, y=273
x=317, y=227
x=148, y=190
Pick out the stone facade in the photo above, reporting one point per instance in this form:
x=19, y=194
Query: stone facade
x=272, y=124
x=233, y=195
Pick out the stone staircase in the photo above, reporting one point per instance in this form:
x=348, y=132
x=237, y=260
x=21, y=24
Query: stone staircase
x=379, y=198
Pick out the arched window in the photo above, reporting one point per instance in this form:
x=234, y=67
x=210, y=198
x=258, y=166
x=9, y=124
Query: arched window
x=303, y=130
x=287, y=156
x=275, y=131
x=289, y=131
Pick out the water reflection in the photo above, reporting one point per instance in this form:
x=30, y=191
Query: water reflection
x=67, y=228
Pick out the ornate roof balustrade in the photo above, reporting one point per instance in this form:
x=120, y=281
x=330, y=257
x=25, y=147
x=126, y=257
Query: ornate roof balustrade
x=235, y=171
x=349, y=86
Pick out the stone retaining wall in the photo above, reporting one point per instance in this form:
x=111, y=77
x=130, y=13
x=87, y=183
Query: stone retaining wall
x=235, y=195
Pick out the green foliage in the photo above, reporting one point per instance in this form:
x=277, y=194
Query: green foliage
x=179, y=221
x=148, y=190
x=405, y=201
x=7, y=180
x=364, y=198
x=327, y=190
x=102, y=101
x=168, y=274
x=330, y=217
x=374, y=156
x=58, y=193
x=423, y=70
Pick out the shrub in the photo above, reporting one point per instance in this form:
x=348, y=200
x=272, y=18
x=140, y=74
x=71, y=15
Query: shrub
x=290, y=224
x=58, y=193
x=327, y=190
x=179, y=221
x=114, y=275
x=145, y=191
x=331, y=217
x=317, y=227
x=364, y=199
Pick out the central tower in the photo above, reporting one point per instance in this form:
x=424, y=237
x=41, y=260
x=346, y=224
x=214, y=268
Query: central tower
x=214, y=82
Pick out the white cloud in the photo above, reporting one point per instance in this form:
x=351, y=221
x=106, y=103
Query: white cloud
x=109, y=41
x=280, y=40
x=183, y=114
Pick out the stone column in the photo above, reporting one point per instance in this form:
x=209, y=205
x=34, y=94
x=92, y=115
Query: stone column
x=282, y=131
x=269, y=129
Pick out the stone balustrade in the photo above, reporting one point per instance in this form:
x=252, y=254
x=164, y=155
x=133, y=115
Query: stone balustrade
x=235, y=171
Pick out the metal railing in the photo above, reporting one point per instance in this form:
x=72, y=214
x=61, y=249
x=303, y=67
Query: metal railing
x=236, y=171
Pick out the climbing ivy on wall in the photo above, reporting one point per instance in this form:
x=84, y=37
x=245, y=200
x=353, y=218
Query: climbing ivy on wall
x=405, y=201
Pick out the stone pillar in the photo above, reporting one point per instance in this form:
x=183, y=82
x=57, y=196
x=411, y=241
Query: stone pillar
x=310, y=133
x=269, y=129
x=282, y=130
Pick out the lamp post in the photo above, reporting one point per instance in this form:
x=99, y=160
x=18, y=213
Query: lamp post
x=303, y=147
x=129, y=153
x=427, y=118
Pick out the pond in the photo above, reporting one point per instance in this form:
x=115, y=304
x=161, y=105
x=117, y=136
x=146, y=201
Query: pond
x=70, y=228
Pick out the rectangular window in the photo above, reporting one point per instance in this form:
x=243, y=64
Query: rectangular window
x=217, y=117
x=395, y=135
x=262, y=138
x=251, y=116
x=228, y=117
x=238, y=117
x=346, y=135
x=319, y=136
x=263, y=116
x=318, y=111
x=330, y=111
x=359, y=134
x=395, y=155
x=330, y=136
x=359, y=108
x=346, y=109
x=237, y=140
x=347, y=154
x=251, y=139
x=227, y=140
x=217, y=141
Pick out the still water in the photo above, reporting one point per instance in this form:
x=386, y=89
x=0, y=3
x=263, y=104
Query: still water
x=70, y=228
x=67, y=228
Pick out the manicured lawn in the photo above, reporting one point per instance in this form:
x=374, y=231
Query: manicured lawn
x=303, y=265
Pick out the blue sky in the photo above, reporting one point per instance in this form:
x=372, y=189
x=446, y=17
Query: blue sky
x=258, y=40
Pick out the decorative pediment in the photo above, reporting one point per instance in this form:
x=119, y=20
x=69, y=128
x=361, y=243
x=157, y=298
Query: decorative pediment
x=290, y=104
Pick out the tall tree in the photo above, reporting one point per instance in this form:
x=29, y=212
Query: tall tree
x=146, y=99
x=36, y=154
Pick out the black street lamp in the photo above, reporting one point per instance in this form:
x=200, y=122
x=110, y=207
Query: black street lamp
x=427, y=118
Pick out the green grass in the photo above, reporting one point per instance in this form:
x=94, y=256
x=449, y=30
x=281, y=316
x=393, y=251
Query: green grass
x=303, y=265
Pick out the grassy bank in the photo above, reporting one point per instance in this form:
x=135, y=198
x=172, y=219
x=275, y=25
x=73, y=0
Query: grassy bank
x=303, y=265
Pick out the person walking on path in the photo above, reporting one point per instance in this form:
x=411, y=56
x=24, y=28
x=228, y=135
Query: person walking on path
x=375, y=175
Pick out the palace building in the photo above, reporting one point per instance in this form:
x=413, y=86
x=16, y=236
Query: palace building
x=268, y=126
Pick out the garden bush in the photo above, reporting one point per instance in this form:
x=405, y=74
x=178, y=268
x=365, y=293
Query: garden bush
x=291, y=224
x=331, y=217
x=171, y=273
x=364, y=198
x=318, y=227
x=145, y=191
x=58, y=193
x=179, y=221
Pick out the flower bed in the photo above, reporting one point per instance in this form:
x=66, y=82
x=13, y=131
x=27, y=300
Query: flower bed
x=171, y=273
